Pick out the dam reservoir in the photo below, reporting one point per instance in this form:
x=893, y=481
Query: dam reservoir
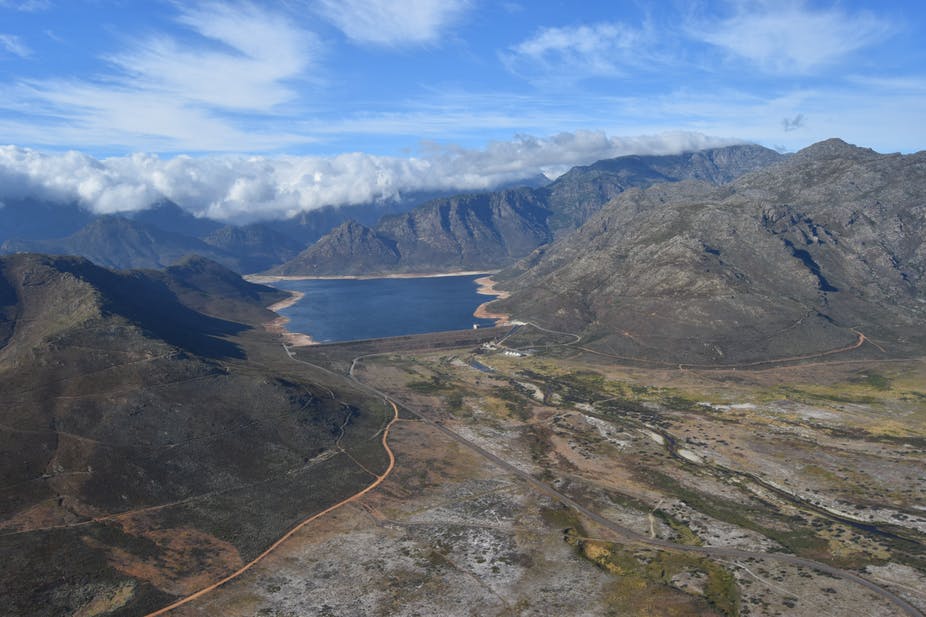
x=353, y=309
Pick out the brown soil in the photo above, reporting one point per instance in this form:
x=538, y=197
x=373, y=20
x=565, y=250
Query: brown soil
x=487, y=288
x=278, y=325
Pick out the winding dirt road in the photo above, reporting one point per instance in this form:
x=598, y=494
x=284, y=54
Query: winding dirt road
x=626, y=534
x=379, y=480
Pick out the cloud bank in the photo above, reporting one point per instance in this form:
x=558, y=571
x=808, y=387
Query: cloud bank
x=248, y=188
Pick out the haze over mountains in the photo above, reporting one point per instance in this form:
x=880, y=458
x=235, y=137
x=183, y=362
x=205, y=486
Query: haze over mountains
x=160, y=235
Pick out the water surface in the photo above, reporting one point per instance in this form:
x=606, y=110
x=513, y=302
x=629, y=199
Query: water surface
x=352, y=309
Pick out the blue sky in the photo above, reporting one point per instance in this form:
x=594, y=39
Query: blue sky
x=540, y=85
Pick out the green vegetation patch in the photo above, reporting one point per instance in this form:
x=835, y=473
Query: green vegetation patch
x=434, y=385
x=876, y=381
x=515, y=401
x=643, y=572
x=685, y=534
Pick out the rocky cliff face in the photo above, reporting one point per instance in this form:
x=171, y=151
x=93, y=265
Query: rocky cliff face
x=582, y=191
x=468, y=232
x=796, y=258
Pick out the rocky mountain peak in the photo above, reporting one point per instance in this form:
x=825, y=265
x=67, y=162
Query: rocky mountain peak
x=834, y=148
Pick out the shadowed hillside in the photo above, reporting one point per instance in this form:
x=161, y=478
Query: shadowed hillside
x=153, y=440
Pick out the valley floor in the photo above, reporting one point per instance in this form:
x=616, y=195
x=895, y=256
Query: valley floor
x=554, y=483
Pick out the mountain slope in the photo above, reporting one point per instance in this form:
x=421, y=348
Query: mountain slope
x=117, y=242
x=151, y=448
x=168, y=216
x=466, y=232
x=582, y=191
x=793, y=259
x=254, y=247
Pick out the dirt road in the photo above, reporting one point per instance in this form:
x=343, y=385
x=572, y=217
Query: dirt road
x=379, y=480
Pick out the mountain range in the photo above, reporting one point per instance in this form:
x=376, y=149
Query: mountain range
x=145, y=412
x=422, y=232
x=492, y=230
x=797, y=258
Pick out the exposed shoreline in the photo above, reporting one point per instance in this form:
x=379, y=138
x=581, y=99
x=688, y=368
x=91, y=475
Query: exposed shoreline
x=278, y=325
x=487, y=288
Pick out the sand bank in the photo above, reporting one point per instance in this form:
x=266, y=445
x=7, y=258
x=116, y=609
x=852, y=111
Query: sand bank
x=487, y=288
x=278, y=325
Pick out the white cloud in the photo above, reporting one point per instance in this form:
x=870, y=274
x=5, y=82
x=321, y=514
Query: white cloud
x=14, y=45
x=183, y=95
x=788, y=37
x=250, y=188
x=27, y=6
x=393, y=22
x=575, y=52
x=263, y=51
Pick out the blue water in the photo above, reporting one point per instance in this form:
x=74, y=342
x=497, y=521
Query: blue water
x=347, y=310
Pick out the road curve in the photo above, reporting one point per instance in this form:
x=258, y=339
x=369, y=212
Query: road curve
x=379, y=480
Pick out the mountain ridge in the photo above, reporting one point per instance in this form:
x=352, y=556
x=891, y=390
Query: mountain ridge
x=491, y=230
x=786, y=260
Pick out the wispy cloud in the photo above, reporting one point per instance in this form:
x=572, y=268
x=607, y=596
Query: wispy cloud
x=175, y=94
x=575, y=52
x=12, y=44
x=393, y=22
x=790, y=37
x=27, y=6
x=259, y=52
x=248, y=188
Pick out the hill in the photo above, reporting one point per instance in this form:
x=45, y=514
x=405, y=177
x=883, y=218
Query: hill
x=794, y=259
x=154, y=436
